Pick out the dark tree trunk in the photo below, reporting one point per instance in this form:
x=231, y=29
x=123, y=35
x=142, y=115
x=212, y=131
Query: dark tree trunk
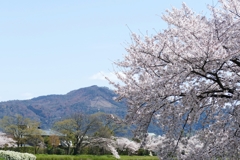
x=68, y=149
x=77, y=149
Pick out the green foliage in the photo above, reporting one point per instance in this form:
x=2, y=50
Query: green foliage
x=104, y=132
x=143, y=152
x=136, y=140
x=77, y=128
x=60, y=151
x=109, y=126
x=82, y=157
x=123, y=152
x=22, y=129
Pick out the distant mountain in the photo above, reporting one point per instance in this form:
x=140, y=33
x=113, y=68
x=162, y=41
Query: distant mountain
x=50, y=108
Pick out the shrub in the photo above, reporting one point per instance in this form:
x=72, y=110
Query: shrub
x=16, y=155
x=143, y=152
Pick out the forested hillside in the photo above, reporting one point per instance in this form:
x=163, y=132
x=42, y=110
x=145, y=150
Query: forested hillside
x=50, y=108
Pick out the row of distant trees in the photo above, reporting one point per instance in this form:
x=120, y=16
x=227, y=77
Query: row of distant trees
x=78, y=131
x=22, y=130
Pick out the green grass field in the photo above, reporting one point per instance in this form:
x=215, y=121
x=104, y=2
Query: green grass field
x=91, y=157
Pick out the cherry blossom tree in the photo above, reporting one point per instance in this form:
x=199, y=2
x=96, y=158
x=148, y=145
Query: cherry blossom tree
x=186, y=149
x=6, y=141
x=125, y=144
x=185, y=79
x=113, y=144
x=108, y=144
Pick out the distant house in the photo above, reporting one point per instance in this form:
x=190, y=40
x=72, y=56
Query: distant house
x=50, y=132
x=44, y=133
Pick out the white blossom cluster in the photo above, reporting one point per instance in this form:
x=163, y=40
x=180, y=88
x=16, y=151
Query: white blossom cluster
x=188, y=74
x=115, y=143
x=106, y=143
x=186, y=149
x=11, y=155
x=4, y=140
x=126, y=144
x=113, y=151
x=65, y=143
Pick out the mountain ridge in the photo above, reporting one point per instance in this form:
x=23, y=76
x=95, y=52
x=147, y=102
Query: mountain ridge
x=49, y=108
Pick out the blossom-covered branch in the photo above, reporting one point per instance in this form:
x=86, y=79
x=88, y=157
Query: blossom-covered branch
x=186, y=80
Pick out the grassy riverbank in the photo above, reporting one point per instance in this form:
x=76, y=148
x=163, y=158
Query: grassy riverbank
x=91, y=157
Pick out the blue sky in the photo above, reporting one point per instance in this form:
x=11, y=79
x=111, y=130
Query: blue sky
x=53, y=47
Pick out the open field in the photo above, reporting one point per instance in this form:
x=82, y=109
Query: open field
x=91, y=157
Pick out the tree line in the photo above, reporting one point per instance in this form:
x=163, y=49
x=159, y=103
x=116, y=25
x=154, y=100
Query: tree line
x=74, y=133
